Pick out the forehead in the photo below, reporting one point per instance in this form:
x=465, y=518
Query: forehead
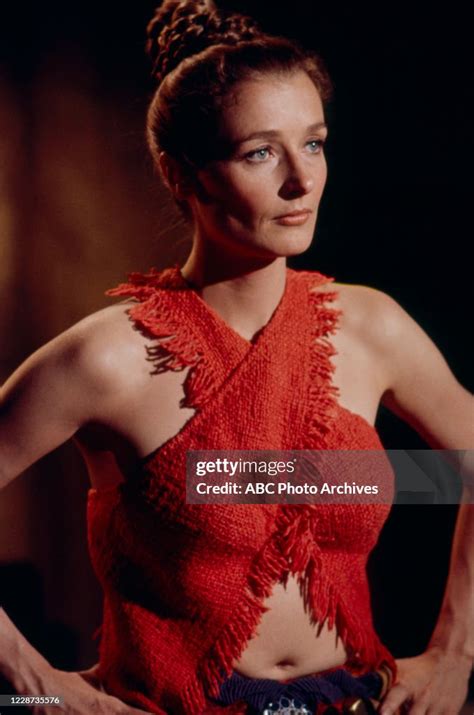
x=280, y=102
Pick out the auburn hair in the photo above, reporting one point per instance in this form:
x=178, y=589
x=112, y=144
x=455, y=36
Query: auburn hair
x=198, y=54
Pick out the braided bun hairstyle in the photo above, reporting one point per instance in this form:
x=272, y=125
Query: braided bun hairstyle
x=198, y=54
x=182, y=29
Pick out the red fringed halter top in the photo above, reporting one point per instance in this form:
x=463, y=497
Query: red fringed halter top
x=184, y=583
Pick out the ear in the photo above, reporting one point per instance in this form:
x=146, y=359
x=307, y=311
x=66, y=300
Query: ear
x=175, y=177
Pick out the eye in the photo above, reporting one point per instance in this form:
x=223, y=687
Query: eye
x=258, y=155
x=316, y=145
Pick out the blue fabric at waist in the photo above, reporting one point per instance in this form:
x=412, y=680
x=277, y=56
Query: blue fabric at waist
x=309, y=689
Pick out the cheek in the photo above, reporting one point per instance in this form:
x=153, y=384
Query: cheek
x=253, y=200
x=322, y=175
x=225, y=192
x=244, y=199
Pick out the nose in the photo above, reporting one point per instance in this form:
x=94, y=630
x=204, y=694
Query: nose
x=299, y=179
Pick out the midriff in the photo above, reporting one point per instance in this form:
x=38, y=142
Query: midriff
x=287, y=644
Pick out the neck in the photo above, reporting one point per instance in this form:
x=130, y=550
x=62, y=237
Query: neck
x=244, y=293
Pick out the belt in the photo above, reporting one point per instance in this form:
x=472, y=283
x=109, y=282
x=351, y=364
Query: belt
x=294, y=706
x=287, y=706
x=303, y=697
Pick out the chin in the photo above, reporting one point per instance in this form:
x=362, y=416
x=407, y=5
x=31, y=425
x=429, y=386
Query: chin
x=292, y=245
x=279, y=250
x=292, y=241
x=298, y=247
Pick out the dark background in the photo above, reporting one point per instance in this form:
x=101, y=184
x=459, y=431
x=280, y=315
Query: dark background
x=80, y=207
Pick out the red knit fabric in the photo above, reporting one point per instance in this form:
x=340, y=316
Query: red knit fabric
x=184, y=583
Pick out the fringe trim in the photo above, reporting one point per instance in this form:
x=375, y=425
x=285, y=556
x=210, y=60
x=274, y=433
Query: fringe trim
x=322, y=393
x=290, y=549
x=268, y=568
x=321, y=600
x=179, y=347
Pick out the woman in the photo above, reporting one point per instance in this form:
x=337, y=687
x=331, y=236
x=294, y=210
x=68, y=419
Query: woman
x=203, y=603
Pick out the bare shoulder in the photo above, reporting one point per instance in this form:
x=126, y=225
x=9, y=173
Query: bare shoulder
x=362, y=340
x=418, y=384
x=100, y=355
x=384, y=327
x=87, y=373
x=367, y=312
x=105, y=350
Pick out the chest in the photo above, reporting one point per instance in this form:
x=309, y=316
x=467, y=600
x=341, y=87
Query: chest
x=154, y=414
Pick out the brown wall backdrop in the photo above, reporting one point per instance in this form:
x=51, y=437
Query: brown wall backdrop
x=79, y=207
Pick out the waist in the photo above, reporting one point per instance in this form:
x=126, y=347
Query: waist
x=307, y=694
x=288, y=644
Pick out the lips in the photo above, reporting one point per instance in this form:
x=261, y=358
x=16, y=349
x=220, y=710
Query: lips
x=295, y=212
x=294, y=218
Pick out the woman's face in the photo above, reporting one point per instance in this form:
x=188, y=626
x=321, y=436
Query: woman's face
x=273, y=166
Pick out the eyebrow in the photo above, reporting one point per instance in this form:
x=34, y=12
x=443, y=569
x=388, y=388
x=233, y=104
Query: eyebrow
x=272, y=133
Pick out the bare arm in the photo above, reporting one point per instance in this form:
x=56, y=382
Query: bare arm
x=84, y=374
x=424, y=391
x=421, y=388
x=81, y=375
x=41, y=406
